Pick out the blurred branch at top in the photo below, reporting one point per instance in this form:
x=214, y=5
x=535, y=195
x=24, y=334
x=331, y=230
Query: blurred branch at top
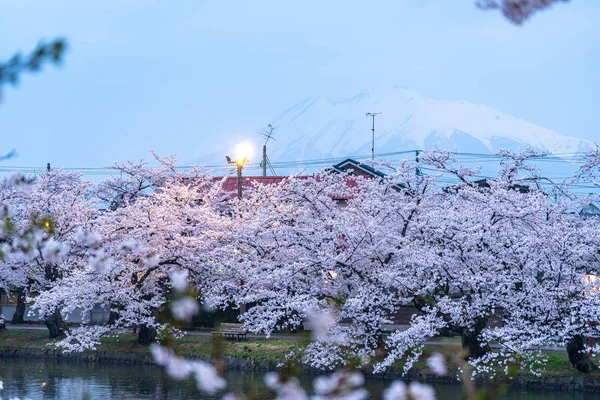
x=10, y=71
x=517, y=11
x=9, y=155
x=52, y=52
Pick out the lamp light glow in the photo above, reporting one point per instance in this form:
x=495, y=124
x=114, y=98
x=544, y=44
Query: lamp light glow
x=243, y=152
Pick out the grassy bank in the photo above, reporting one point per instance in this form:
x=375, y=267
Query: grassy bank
x=189, y=346
x=267, y=352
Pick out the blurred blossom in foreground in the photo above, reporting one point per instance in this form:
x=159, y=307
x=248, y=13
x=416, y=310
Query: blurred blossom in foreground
x=340, y=385
x=206, y=376
x=415, y=391
x=185, y=308
x=286, y=390
x=179, y=279
x=419, y=391
x=321, y=323
x=437, y=364
x=396, y=391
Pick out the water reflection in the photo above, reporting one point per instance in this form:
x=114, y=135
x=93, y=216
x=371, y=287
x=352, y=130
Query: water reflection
x=42, y=380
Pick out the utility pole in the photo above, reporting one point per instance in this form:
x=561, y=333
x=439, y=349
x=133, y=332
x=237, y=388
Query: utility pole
x=418, y=170
x=373, y=115
x=264, y=161
x=268, y=136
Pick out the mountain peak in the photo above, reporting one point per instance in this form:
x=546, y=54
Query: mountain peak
x=327, y=127
x=332, y=127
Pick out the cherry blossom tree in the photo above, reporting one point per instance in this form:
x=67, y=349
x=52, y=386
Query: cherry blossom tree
x=42, y=222
x=505, y=248
x=461, y=255
x=350, y=248
x=297, y=250
x=159, y=221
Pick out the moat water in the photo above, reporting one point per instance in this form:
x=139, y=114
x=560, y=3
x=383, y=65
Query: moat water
x=29, y=379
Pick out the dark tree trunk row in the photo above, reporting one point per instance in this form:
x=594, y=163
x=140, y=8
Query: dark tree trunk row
x=146, y=335
x=578, y=357
x=19, y=315
x=471, y=341
x=55, y=324
x=2, y=324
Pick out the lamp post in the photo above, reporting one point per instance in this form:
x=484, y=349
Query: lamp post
x=239, y=163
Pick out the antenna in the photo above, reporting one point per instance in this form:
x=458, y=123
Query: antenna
x=268, y=136
x=373, y=115
x=268, y=133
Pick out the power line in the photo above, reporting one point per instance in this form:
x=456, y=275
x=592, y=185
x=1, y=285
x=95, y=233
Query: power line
x=568, y=158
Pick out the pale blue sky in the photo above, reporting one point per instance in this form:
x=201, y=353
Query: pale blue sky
x=176, y=76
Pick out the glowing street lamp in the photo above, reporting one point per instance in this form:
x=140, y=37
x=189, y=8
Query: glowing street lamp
x=243, y=151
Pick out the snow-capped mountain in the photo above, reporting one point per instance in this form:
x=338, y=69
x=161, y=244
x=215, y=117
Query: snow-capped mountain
x=326, y=128
x=319, y=127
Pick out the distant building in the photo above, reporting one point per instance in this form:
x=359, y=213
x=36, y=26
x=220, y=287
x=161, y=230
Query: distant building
x=348, y=166
x=590, y=210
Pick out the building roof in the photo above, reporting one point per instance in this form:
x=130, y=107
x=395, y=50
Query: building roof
x=485, y=184
x=590, y=210
x=357, y=168
x=349, y=165
x=230, y=183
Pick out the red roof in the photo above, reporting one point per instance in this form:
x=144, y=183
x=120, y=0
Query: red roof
x=230, y=183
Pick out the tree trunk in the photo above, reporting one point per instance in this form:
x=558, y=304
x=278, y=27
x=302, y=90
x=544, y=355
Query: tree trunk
x=2, y=324
x=113, y=316
x=55, y=324
x=471, y=341
x=19, y=315
x=578, y=357
x=146, y=335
